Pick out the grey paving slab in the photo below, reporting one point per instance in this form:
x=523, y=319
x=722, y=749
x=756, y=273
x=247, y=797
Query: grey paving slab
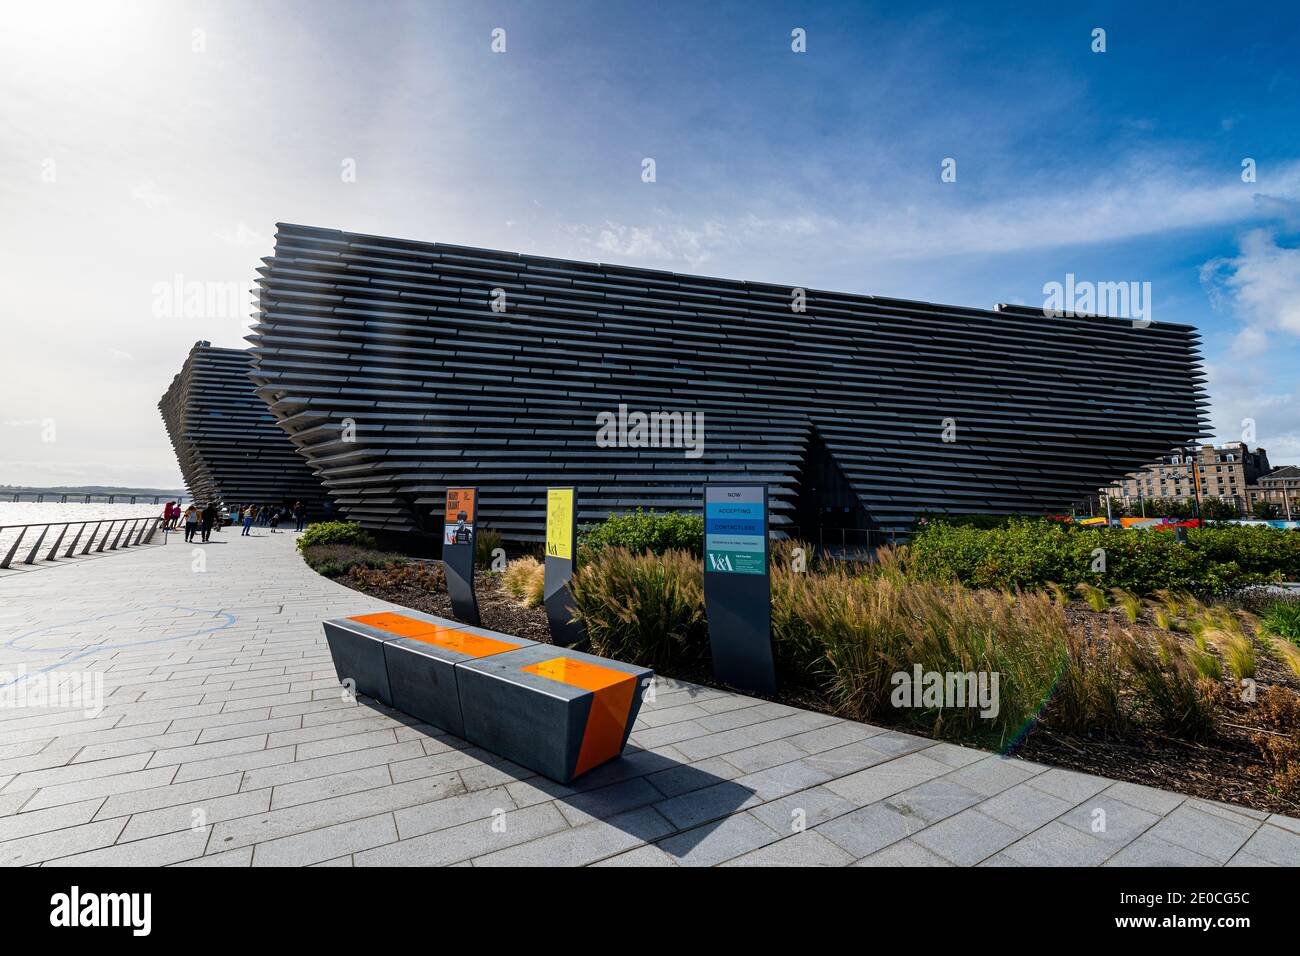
x=1059, y=845
x=1025, y=807
x=605, y=802
x=1277, y=846
x=933, y=800
x=449, y=811
x=802, y=810
x=1112, y=820
x=1203, y=833
x=868, y=829
x=967, y=838
x=43, y=821
x=468, y=840
x=154, y=851
x=886, y=779
x=225, y=741
x=333, y=785
x=809, y=848
x=647, y=855
x=589, y=843
x=326, y=843
x=197, y=813
x=1152, y=851
x=40, y=847
x=718, y=841
x=904, y=853
x=1068, y=785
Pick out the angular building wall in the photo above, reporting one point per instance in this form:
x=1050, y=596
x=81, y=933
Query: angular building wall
x=400, y=368
x=229, y=447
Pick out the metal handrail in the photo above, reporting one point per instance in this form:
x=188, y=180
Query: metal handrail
x=136, y=530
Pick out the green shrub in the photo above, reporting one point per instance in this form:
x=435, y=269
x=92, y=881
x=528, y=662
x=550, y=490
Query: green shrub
x=1027, y=555
x=647, y=531
x=335, y=532
x=1283, y=620
x=929, y=519
x=334, y=560
x=643, y=608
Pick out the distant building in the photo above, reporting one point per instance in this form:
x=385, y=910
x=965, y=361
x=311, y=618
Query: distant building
x=1228, y=472
x=1280, y=487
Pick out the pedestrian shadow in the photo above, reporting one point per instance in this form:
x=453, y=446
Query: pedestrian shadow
x=647, y=795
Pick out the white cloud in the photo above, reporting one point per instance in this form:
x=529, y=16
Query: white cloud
x=1141, y=197
x=1241, y=397
x=1260, y=287
x=245, y=236
x=148, y=193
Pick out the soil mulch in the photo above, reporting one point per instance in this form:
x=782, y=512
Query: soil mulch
x=497, y=609
x=1228, y=768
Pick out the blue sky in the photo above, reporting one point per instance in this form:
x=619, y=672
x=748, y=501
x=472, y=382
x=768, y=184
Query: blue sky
x=179, y=133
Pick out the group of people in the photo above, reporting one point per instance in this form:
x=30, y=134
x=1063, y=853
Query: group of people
x=199, y=521
x=270, y=516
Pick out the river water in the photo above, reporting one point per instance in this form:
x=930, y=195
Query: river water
x=14, y=513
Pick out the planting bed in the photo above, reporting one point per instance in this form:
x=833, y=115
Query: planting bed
x=1251, y=757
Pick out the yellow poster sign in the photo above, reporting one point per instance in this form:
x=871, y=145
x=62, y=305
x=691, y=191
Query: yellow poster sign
x=559, y=523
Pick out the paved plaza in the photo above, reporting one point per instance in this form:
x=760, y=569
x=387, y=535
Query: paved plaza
x=224, y=740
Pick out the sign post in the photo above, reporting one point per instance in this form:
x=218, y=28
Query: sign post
x=737, y=586
x=458, y=552
x=561, y=553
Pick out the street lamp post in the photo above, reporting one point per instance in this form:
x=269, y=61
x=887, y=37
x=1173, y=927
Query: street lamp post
x=1196, y=485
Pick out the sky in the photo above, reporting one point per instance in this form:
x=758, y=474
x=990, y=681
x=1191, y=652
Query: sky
x=146, y=146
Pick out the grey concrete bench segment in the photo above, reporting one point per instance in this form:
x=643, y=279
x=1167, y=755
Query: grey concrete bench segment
x=423, y=672
x=358, y=653
x=407, y=660
x=554, y=710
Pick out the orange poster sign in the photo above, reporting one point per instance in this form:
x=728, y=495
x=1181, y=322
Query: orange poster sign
x=458, y=500
x=459, y=525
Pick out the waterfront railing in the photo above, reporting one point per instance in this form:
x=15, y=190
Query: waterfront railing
x=90, y=537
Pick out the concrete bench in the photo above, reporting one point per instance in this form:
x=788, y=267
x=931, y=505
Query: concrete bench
x=551, y=709
x=407, y=660
x=554, y=710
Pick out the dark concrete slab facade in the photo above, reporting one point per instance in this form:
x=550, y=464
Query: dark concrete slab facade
x=402, y=368
x=229, y=447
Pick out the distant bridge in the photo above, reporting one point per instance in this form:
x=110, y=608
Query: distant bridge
x=66, y=497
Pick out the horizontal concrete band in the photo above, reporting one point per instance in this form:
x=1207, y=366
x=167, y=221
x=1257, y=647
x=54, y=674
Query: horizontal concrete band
x=400, y=369
x=554, y=710
x=230, y=449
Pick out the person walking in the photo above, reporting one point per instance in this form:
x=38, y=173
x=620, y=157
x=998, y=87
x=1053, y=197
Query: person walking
x=248, y=523
x=207, y=518
x=191, y=522
x=275, y=520
x=299, y=515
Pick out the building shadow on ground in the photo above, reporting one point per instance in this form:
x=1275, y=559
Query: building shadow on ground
x=645, y=794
